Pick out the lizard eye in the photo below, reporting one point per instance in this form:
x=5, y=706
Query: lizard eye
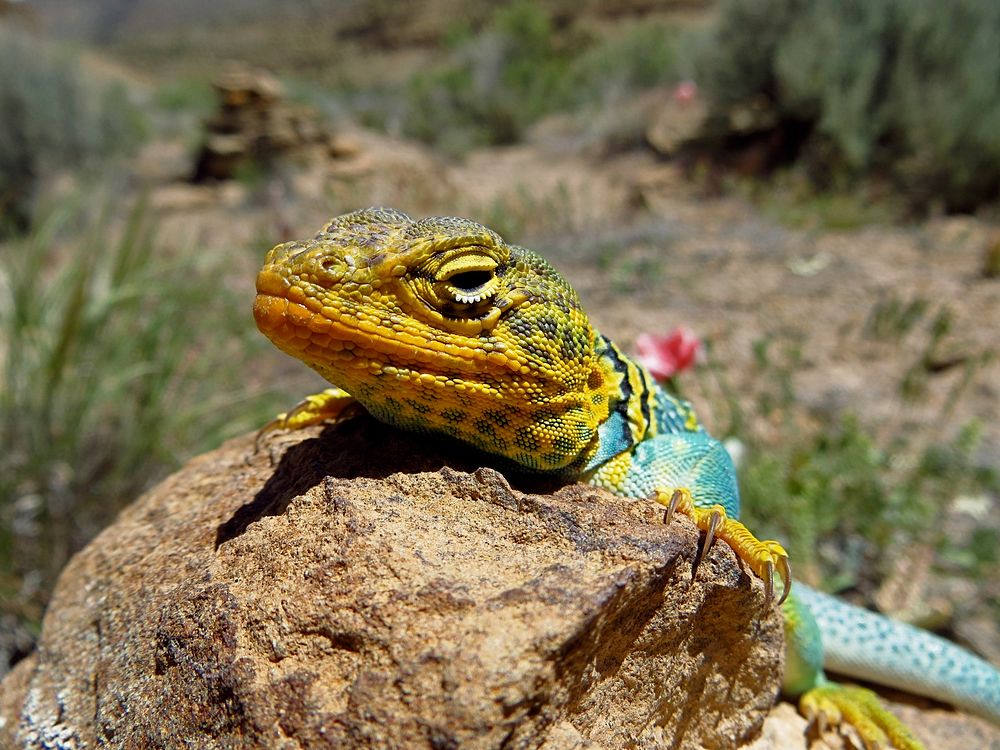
x=470, y=281
x=469, y=287
x=461, y=282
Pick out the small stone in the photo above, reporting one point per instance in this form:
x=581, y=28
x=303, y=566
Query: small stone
x=253, y=126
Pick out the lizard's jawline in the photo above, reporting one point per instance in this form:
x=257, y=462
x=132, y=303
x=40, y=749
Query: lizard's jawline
x=274, y=314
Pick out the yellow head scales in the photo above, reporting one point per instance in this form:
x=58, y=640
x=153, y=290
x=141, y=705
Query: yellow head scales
x=439, y=325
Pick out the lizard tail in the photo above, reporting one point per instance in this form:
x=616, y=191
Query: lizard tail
x=861, y=644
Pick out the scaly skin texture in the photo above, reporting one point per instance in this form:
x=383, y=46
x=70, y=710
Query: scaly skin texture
x=438, y=325
x=379, y=320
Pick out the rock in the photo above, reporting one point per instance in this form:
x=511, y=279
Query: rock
x=945, y=728
x=784, y=729
x=354, y=593
x=344, y=146
x=254, y=126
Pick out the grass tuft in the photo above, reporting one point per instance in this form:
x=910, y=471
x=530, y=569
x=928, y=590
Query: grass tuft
x=53, y=118
x=118, y=359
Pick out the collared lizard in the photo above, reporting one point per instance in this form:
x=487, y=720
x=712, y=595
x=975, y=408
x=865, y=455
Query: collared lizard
x=439, y=325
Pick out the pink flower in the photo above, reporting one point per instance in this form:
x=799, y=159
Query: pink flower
x=666, y=355
x=685, y=92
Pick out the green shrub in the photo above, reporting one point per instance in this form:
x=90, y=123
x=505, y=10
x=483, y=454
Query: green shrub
x=52, y=119
x=519, y=67
x=117, y=361
x=646, y=54
x=909, y=89
x=493, y=84
x=847, y=501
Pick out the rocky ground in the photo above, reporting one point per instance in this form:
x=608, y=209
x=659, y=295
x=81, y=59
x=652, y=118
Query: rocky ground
x=307, y=594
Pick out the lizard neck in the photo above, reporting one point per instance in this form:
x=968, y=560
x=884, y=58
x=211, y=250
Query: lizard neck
x=634, y=400
x=639, y=407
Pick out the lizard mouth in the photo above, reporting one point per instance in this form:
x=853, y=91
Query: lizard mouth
x=320, y=339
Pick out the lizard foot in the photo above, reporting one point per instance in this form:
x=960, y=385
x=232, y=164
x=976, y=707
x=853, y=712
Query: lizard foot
x=764, y=558
x=333, y=404
x=837, y=705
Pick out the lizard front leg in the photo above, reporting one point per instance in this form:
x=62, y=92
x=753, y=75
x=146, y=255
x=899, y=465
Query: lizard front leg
x=765, y=558
x=331, y=405
x=692, y=473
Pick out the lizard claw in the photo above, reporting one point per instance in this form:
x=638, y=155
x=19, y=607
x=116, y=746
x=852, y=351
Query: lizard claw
x=764, y=558
x=675, y=500
x=858, y=710
x=713, y=524
x=714, y=521
x=785, y=571
x=333, y=404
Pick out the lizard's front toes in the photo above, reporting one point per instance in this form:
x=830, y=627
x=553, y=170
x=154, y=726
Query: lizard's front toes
x=764, y=558
x=333, y=404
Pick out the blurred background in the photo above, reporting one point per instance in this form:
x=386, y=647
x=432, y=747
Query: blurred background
x=811, y=186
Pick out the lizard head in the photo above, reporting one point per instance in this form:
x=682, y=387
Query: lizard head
x=440, y=325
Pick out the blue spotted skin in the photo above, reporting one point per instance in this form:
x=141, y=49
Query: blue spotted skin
x=693, y=460
x=867, y=646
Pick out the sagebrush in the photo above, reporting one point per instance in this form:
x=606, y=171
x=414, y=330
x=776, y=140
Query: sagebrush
x=907, y=90
x=53, y=118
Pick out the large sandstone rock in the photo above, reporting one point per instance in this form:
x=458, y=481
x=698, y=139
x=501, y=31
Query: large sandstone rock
x=341, y=589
